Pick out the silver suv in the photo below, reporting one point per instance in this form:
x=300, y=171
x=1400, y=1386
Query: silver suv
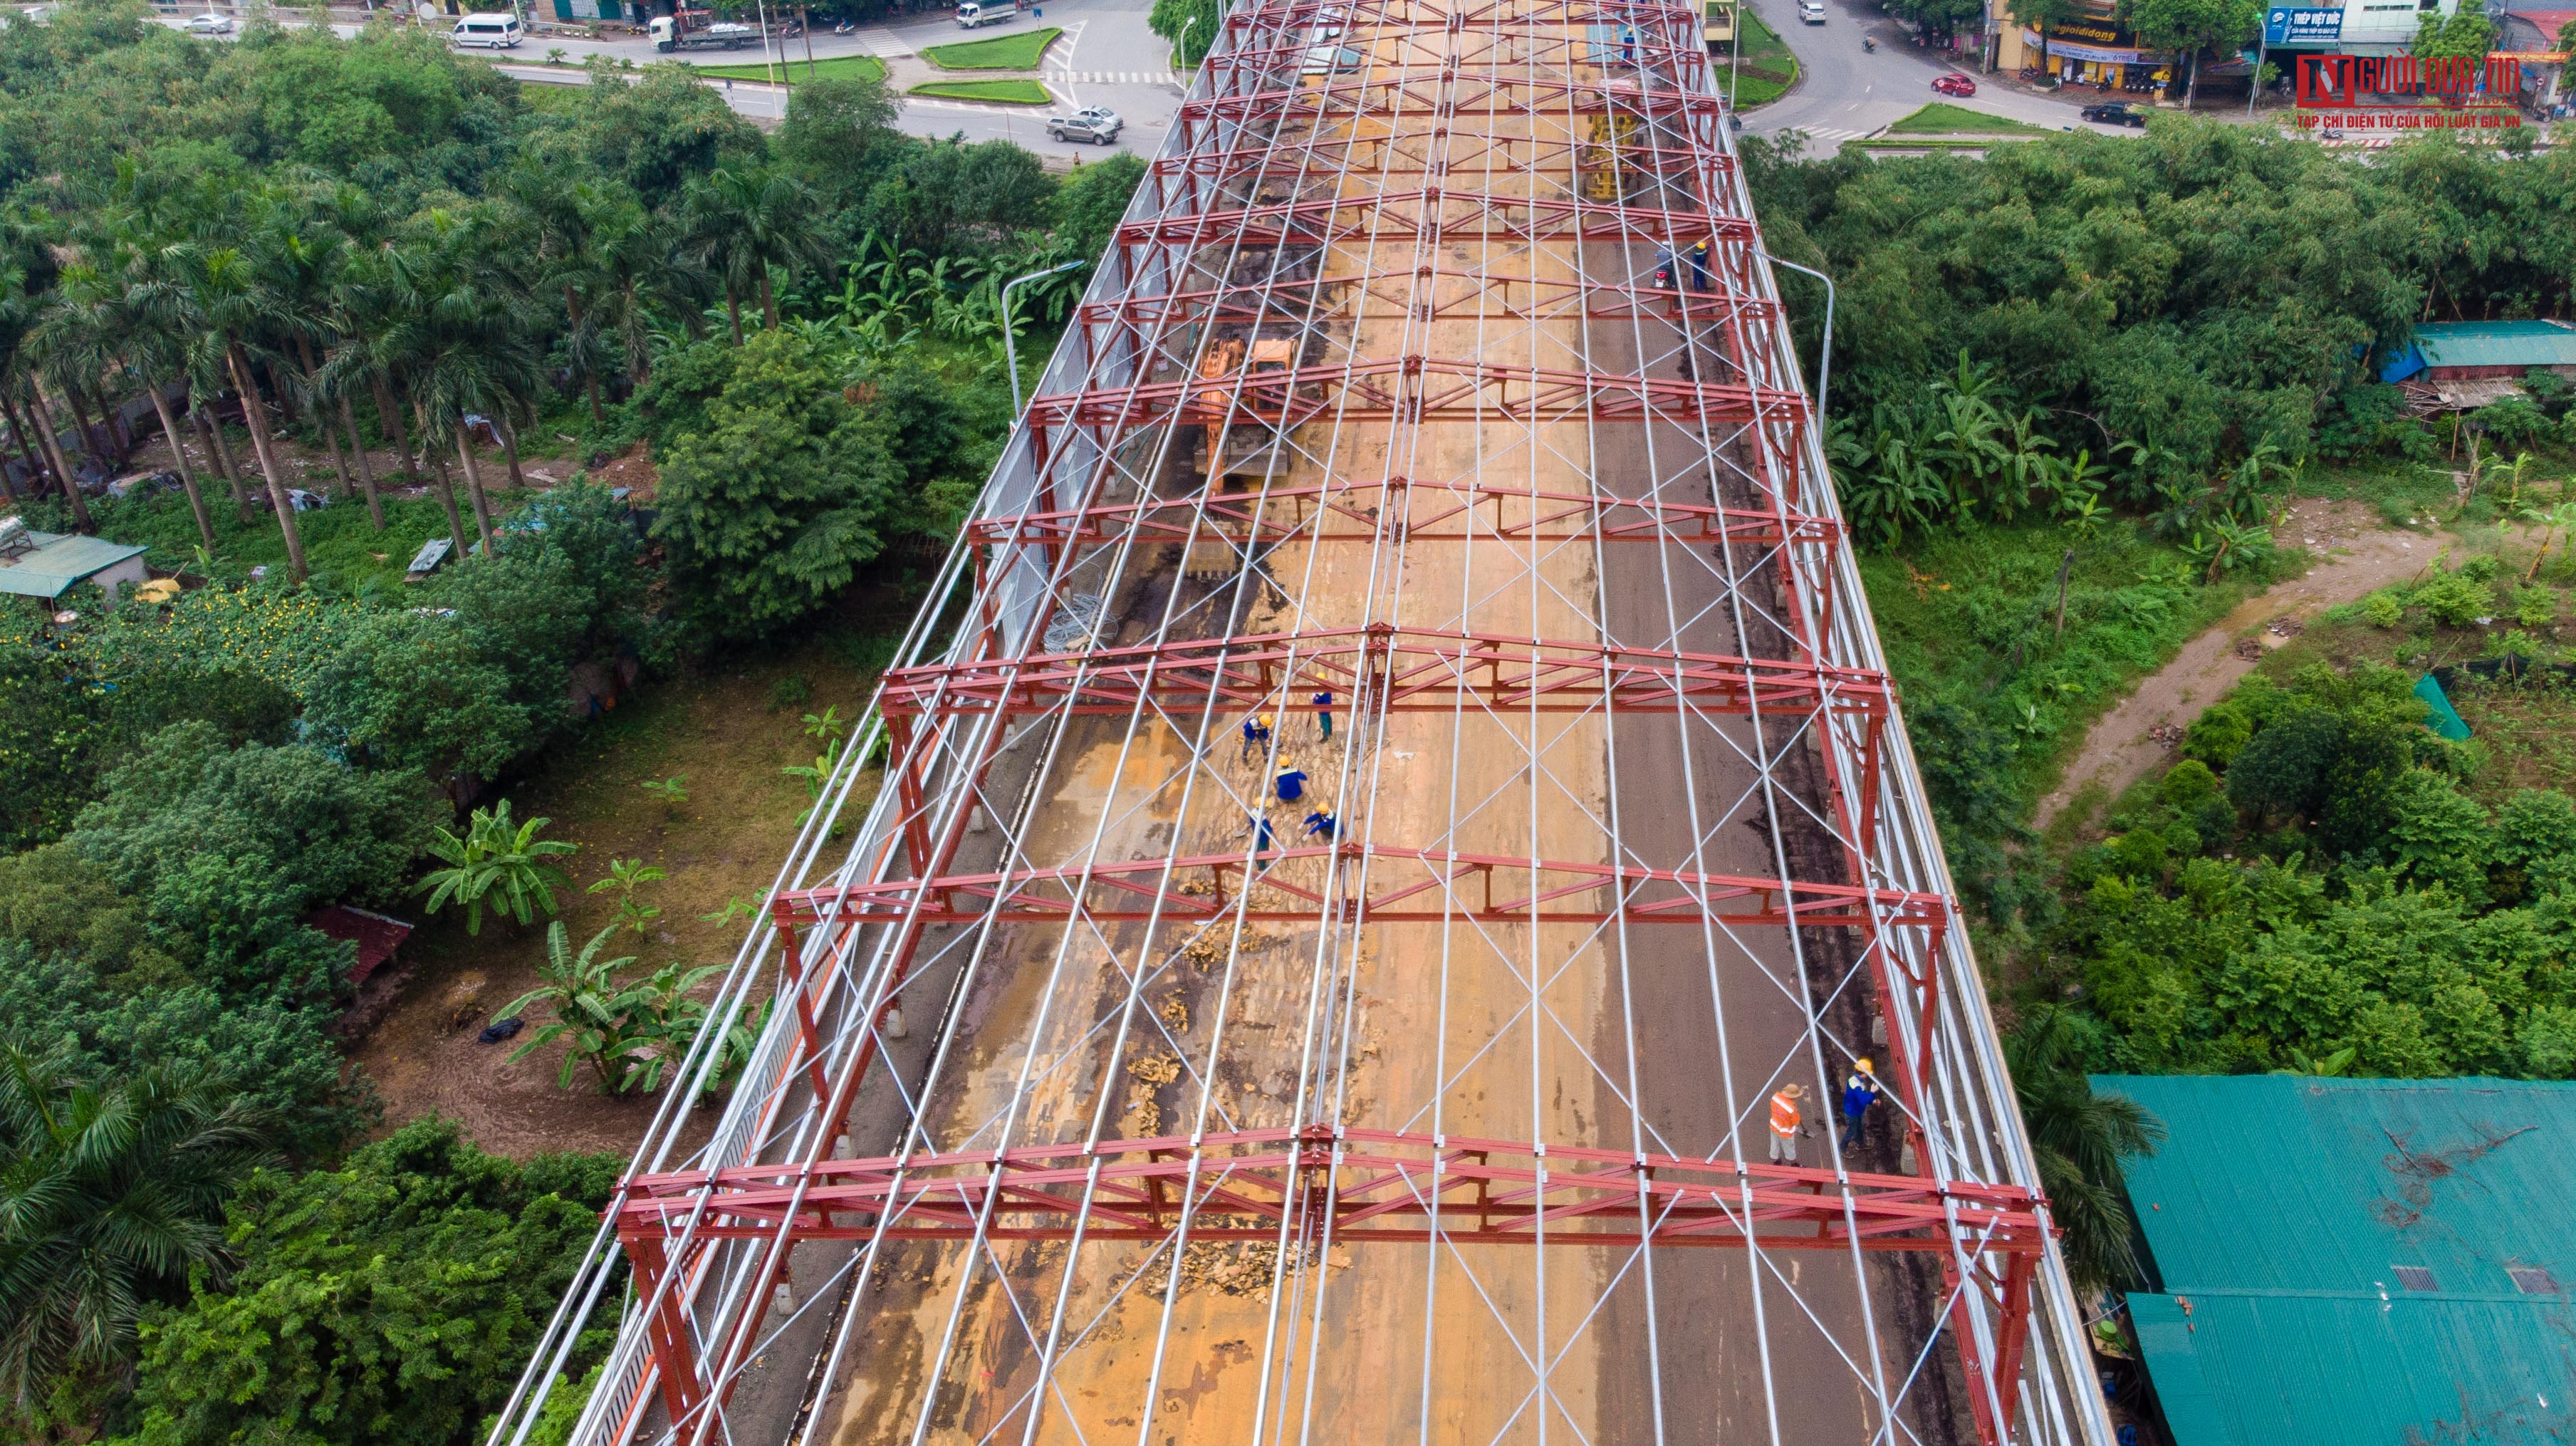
x=1091, y=123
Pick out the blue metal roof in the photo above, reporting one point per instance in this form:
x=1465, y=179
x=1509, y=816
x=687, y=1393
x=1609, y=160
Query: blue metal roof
x=2483, y=344
x=2278, y=1214
x=59, y=560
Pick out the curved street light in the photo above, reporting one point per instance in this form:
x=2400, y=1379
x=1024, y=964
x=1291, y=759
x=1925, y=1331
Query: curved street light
x=1010, y=354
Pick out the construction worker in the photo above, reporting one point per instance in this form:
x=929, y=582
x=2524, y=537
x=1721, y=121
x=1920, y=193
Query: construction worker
x=1263, y=842
x=1321, y=821
x=1290, y=782
x=1784, y=1123
x=1256, y=736
x=1324, y=712
x=1699, y=265
x=1628, y=45
x=1859, y=1093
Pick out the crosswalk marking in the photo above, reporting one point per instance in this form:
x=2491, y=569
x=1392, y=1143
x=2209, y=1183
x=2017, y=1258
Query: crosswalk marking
x=1116, y=77
x=882, y=45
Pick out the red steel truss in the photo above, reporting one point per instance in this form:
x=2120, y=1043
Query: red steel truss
x=1435, y=405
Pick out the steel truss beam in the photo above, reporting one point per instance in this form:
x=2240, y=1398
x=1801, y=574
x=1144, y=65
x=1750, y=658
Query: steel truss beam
x=1382, y=669
x=1451, y=214
x=1420, y=389
x=1403, y=886
x=1347, y=1186
x=1365, y=1185
x=1363, y=512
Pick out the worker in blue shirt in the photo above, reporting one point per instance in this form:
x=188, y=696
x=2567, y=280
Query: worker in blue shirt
x=1291, y=782
x=1859, y=1093
x=1321, y=821
x=1699, y=265
x=1324, y=712
x=1256, y=735
x=1263, y=841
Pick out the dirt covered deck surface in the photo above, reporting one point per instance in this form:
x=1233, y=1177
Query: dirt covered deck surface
x=1658, y=1039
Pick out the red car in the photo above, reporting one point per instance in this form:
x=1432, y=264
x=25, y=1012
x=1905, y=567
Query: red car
x=1954, y=84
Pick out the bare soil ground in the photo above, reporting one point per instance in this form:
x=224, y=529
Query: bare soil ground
x=2357, y=554
x=716, y=728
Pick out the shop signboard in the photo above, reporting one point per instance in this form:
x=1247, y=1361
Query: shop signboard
x=2285, y=26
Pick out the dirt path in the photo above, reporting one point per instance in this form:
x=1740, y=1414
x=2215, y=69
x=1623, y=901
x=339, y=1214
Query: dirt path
x=2361, y=555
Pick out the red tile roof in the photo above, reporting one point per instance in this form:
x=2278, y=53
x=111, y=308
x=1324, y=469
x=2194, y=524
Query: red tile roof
x=376, y=935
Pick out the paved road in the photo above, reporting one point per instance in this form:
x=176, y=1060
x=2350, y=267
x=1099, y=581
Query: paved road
x=1844, y=91
x=1108, y=56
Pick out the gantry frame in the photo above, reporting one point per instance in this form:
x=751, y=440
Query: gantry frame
x=1408, y=302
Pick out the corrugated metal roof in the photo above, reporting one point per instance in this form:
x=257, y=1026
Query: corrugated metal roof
x=2497, y=343
x=2339, y=1181
x=2252, y=1370
x=59, y=560
x=2280, y=1208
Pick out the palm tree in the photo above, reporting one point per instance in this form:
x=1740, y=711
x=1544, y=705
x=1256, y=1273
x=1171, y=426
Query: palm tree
x=104, y=317
x=744, y=221
x=111, y=1195
x=232, y=298
x=2080, y=1139
x=458, y=338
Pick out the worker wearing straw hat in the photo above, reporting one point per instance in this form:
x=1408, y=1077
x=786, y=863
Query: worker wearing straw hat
x=1784, y=1124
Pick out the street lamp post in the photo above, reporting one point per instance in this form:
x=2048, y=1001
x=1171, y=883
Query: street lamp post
x=1010, y=353
x=1825, y=362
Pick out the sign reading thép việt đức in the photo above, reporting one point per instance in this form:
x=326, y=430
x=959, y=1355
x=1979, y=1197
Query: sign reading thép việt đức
x=2284, y=25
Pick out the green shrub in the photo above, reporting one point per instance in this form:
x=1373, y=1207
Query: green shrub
x=2383, y=609
x=2455, y=599
x=2536, y=606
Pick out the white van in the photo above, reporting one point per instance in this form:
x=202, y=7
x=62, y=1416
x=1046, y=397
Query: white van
x=495, y=31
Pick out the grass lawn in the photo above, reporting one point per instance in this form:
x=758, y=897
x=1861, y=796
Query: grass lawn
x=1761, y=48
x=839, y=67
x=340, y=547
x=1002, y=52
x=728, y=727
x=1968, y=619
x=1000, y=92
x=549, y=98
x=1941, y=118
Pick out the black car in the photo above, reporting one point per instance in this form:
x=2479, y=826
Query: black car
x=2115, y=113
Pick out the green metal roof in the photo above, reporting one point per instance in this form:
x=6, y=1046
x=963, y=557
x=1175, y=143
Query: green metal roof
x=2279, y=1209
x=2497, y=343
x=58, y=561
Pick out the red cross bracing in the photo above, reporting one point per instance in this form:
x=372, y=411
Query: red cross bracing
x=1381, y=860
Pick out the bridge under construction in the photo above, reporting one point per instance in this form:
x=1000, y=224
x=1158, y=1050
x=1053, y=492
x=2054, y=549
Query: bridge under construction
x=1396, y=777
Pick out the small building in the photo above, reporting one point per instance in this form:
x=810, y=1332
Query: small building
x=49, y=564
x=2533, y=35
x=378, y=936
x=2338, y=1260
x=2464, y=365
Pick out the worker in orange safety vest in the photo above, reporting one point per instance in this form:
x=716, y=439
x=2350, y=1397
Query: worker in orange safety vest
x=1784, y=1124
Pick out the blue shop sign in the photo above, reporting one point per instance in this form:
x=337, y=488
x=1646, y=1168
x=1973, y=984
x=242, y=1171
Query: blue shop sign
x=2285, y=26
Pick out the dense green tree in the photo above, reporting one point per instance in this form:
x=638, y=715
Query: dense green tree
x=403, y=690
x=114, y=1024
x=55, y=900
x=774, y=507
x=390, y=1302
x=2188, y=27
x=49, y=751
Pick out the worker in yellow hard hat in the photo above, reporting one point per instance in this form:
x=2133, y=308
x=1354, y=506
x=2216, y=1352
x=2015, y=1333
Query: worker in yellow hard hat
x=1859, y=1093
x=1256, y=736
x=1290, y=782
